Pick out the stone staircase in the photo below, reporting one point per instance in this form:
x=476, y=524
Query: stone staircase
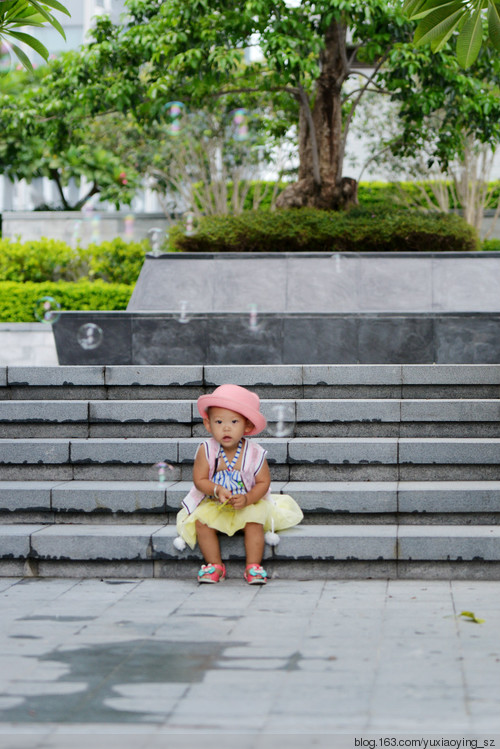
x=397, y=469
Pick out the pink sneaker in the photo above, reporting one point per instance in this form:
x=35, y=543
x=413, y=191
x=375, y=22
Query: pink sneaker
x=255, y=574
x=211, y=573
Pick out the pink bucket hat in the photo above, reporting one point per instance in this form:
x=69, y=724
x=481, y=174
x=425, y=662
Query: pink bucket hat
x=235, y=398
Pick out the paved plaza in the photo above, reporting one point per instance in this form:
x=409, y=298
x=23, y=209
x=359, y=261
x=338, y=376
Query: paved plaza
x=167, y=663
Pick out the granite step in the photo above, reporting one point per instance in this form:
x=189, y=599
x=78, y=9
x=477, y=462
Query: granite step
x=345, y=550
x=276, y=381
x=335, y=502
x=302, y=418
x=295, y=459
x=397, y=468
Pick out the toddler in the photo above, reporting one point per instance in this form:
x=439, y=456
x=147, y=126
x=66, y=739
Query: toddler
x=231, y=486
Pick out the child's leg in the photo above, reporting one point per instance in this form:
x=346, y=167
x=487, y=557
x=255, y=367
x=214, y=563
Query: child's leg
x=254, y=542
x=208, y=543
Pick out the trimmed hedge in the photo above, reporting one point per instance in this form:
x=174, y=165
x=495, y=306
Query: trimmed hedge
x=313, y=230
x=40, y=260
x=117, y=261
x=372, y=194
x=53, y=260
x=491, y=245
x=386, y=194
x=18, y=300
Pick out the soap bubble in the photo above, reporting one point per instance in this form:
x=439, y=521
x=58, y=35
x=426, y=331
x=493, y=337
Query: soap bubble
x=161, y=472
x=254, y=322
x=174, y=115
x=89, y=336
x=281, y=419
x=155, y=238
x=184, y=315
x=239, y=124
x=47, y=309
x=6, y=57
x=129, y=225
x=77, y=231
x=96, y=228
x=191, y=222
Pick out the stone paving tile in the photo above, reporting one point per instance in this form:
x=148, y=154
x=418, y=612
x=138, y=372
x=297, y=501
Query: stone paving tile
x=144, y=662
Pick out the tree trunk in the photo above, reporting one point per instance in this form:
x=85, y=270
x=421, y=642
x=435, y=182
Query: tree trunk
x=321, y=150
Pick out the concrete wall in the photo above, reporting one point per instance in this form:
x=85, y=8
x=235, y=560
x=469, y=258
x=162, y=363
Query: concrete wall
x=27, y=344
x=80, y=227
x=319, y=282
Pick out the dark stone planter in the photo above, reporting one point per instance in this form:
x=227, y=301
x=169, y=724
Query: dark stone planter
x=385, y=338
x=314, y=308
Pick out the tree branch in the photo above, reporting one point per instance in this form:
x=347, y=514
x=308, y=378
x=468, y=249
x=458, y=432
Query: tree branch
x=342, y=48
x=93, y=191
x=375, y=156
x=356, y=102
x=351, y=59
x=312, y=130
x=289, y=89
x=363, y=90
x=54, y=175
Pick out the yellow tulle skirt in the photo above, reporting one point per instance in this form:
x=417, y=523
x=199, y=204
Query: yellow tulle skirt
x=278, y=512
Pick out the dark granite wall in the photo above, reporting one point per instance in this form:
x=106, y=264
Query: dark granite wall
x=385, y=338
x=295, y=308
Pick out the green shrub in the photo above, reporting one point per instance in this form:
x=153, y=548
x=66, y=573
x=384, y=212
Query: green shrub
x=53, y=260
x=117, y=261
x=403, y=195
x=258, y=194
x=382, y=195
x=491, y=245
x=40, y=260
x=18, y=300
x=312, y=230
x=406, y=194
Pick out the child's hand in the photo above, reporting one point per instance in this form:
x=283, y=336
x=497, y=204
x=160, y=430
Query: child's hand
x=223, y=494
x=239, y=501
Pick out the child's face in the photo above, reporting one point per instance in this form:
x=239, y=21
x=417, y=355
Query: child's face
x=226, y=426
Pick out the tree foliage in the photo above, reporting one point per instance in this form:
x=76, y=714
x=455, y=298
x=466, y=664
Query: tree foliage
x=100, y=112
x=443, y=129
x=441, y=106
x=471, y=21
x=197, y=52
x=48, y=129
x=17, y=14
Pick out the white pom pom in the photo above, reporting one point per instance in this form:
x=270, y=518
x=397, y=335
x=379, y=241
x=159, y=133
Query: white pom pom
x=179, y=543
x=272, y=539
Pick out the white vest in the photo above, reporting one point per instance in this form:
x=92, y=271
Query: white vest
x=251, y=462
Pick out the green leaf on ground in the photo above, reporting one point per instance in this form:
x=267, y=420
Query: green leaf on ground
x=471, y=617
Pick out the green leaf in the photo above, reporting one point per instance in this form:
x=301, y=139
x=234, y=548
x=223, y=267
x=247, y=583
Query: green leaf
x=471, y=617
x=55, y=5
x=494, y=23
x=470, y=40
x=22, y=57
x=437, y=28
x=55, y=23
x=428, y=7
x=411, y=7
x=26, y=8
x=48, y=16
x=31, y=42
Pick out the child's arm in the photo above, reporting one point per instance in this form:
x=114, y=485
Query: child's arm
x=202, y=481
x=262, y=484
